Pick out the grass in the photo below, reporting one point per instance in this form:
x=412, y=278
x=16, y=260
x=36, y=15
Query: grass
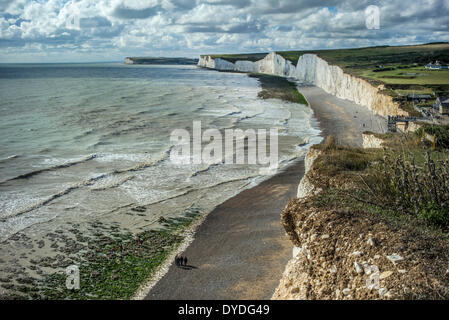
x=235, y=57
x=274, y=87
x=414, y=75
x=396, y=183
x=155, y=60
x=415, y=90
x=337, y=160
x=441, y=132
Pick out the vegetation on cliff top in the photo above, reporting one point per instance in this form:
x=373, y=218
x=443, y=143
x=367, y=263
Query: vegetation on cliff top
x=384, y=208
x=408, y=180
x=401, y=64
x=395, y=67
x=243, y=57
x=161, y=60
x=441, y=133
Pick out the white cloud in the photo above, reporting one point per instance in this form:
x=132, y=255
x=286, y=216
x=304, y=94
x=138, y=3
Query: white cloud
x=32, y=29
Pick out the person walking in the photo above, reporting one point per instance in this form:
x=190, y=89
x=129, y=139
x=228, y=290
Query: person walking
x=180, y=261
x=177, y=261
x=185, y=261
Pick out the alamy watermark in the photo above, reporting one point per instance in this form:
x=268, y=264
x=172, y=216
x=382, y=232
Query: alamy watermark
x=72, y=281
x=73, y=22
x=190, y=150
x=372, y=17
x=373, y=273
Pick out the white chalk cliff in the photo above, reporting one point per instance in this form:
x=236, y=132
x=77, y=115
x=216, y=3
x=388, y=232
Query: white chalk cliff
x=311, y=69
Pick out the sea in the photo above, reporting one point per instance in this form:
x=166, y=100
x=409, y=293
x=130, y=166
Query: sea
x=91, y=142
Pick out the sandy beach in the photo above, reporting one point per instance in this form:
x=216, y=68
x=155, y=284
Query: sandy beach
x=240, y=250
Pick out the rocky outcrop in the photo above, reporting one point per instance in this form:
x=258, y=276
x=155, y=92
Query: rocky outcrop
x=406, y=127
x=312, y=69
x=371, y=141
x=305, y=187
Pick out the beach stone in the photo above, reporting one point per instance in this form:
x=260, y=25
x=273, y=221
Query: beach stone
x=385, y=274
x=346, y=291
x=395, y=258
x=382, y=292
x=358, y=267
x=371, y=241
x=296, y=250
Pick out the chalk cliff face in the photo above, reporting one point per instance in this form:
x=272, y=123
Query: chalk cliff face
x=305, y=187
x=272, y=64
x=314, y=70
x=129, y=61
x=371, y=141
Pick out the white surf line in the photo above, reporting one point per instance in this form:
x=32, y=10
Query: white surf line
x=67, y=164
x=79, y=185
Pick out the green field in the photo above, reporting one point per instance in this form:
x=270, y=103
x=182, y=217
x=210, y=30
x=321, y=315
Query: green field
x=154, y=60
x=235, y=57
x=409, y=75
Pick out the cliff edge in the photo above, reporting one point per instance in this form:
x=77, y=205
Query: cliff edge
x=347, y=251
x=311, y=69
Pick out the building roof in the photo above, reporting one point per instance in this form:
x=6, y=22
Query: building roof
x=444, y=101
x=419, y=96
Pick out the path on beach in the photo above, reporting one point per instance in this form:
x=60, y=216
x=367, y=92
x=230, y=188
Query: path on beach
x=343, y=119
x=240, y=250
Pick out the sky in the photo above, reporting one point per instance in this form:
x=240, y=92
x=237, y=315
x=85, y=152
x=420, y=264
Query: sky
x=110, y=30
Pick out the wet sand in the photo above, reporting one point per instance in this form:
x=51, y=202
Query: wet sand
x=241, y=249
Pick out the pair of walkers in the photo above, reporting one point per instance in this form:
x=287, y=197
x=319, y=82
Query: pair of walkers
x=181, y=261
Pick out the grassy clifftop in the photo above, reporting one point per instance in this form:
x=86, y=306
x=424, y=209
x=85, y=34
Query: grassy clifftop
x=161, y=60
x=375, y=227
x=402, y=65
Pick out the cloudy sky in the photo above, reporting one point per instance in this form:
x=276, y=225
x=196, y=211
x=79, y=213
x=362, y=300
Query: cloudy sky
x=109, y=30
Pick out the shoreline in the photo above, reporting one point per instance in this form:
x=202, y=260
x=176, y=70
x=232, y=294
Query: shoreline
x=262, y=233
x=271, y=87
x=206, y=281
x=87, y=243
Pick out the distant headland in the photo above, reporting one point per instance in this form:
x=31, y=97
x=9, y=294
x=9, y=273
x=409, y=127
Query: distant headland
x=159, y=60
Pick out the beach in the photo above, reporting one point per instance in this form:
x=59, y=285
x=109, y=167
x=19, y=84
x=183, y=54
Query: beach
x=240, y=250
x=87, y=180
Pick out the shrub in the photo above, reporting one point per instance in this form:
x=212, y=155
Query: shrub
x=421, y=191
x=441, y=133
